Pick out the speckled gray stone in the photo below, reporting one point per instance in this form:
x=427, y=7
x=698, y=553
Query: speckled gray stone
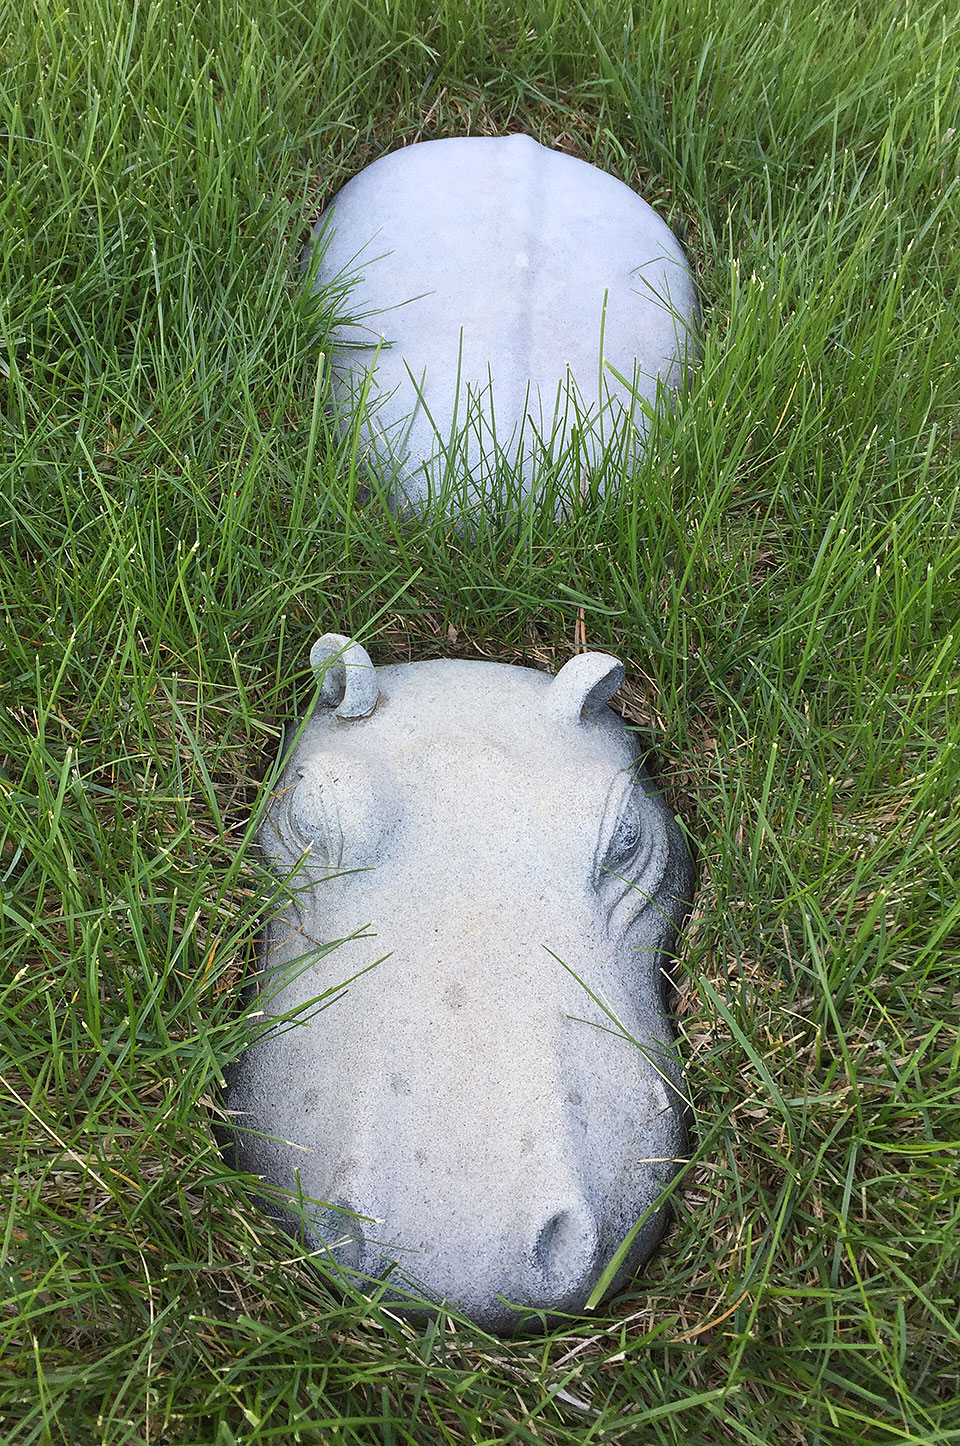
x=509, y=303
x=497, y=1095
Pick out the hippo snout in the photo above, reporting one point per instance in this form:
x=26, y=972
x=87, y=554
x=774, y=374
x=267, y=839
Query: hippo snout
x=479, y=1099
x=545, y=1258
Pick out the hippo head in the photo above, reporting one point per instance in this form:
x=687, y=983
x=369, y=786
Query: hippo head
x=491, y=1103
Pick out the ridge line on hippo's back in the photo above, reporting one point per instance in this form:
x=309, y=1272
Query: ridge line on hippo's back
x=463, y=1117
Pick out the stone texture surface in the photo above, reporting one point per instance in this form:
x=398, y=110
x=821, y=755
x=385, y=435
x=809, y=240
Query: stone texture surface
x=499, y=291
x=498, y=1095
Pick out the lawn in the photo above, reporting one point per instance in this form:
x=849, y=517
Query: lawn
x=781, y=579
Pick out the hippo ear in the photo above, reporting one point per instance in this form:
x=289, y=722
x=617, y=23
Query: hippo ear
x=583, y=685
x=348, y=676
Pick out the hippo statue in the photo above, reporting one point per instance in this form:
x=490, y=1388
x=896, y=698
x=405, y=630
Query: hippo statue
x=472, y=1085
x=507, y=309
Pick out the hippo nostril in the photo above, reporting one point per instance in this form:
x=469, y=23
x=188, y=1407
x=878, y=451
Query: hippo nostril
x=566, y=1247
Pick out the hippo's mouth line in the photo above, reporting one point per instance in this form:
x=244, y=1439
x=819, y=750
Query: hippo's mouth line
x=665, y=1067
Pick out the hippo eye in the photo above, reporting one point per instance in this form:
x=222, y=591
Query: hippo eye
x=630, y=833
x=626, y=837
x=335, y=813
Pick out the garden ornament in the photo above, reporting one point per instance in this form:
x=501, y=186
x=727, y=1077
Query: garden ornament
x=486, y=1100
x=507, y=309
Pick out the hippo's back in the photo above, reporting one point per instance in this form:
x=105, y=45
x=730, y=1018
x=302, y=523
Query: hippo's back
x=491, y=273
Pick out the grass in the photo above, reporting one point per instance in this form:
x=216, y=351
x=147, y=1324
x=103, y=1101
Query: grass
x=782, y=579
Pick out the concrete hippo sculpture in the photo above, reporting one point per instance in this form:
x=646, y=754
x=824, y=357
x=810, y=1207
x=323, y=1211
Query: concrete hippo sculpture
x=497, y=1100
x=510, y=305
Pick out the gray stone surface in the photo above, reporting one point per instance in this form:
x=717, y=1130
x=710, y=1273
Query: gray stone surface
x=509, y=303
x=498, y=1095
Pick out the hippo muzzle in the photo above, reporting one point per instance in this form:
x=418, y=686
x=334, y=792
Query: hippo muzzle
x=491, y=1101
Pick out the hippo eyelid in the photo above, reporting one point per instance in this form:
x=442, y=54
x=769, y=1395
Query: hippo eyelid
x=621, y=826
x=324, y=840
